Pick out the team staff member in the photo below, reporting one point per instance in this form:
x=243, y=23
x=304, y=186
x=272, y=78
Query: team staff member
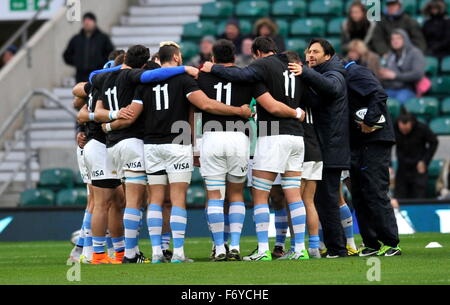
x=325, y=77
x=371, y=140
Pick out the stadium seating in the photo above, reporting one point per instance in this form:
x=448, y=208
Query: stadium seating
x=440, y=85
x=283, y=27
x=37, y=197
x=72, y=197
x=78, y=180
x=289, y=8
x=255, y=9
x=308, y=27
x=297, y=44
x=199, y=29
x=336, y=43
x=445, y=65
x=56, y=179
x=441, y=125
x=196, y=195
x=426, y=107
x=244, y=24
x=445, y=106
x=394, y=107
x=334, y=27
x=432, y=65
x=189, y=49
x=326, y=8
x=197, y=178
x=219, y=10
x=434, y=170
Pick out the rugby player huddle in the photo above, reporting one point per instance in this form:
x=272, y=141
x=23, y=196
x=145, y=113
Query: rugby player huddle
x=136, y=153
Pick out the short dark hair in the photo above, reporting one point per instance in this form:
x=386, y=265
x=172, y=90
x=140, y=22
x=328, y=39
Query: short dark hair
x=293, y=56
x=90, y=15
x=406, y=117
x=137, y=56
x=326, y=45
x=113, y=55
x=223, y=51
x=151, y=65
x=155, y=56
x=264, y=44
x=119, y=60
x=167, y=52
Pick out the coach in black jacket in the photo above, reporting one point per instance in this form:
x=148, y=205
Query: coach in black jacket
x=325, y=77
x=371, y=140
x=88, y=50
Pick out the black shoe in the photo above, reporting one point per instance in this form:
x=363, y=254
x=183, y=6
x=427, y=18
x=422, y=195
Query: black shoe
x=336, y=254
x=234, y=255
x=167, y=254
x=138, y=259
x=220, y=258
x=277, y=252
x=213, y=253
x=227, y=248
x=366, y=251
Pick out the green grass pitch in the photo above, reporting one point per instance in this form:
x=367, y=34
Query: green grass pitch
x=45, y=263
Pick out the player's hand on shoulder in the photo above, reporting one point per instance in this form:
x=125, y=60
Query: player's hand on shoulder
x=302, y=116
x=125, y=113
x=297, y=69
x=81, y=139
x=246, y=112
x=192, y=71
x=207, y=67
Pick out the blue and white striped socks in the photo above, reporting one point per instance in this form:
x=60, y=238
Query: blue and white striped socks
x=298, y=218
x=262, y=219
x=216, y=222
x=131, y=219
x=87, y=247
x=226, y=229
x=347, y=224
x=314, y=241
x=80, y=242
x=236, y=216
x=165, y=241
x=178, y=221
x=99, y=243
x=109, y=244
x=155, y=223
x=281, y=226
x=118, y=244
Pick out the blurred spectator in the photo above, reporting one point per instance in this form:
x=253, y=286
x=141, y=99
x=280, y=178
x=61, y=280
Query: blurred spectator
x=233, y=33
x=396, y=18
x=8, y=55
x=246, y=56
x=359, y=52
x=206, y=45
x=436, y=29
x=443, y=182
x=416, y=145
x=404, y=67
x=155, y=58
x=357, y=26
x=88, y=50
x=266, y=27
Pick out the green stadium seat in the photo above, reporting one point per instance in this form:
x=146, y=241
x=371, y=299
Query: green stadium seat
x=78, y=180
x=394, y=107
x=426, y=107
x=336, y=43
x=432, y=65
x=219, y=9
x=72, y=197
x=37, y=197
x=440, y=85
x=255, y=9
x=445, y=65
x=244, y=24
x=196, y=195
x=434, y=170
x=289, y=8
x=189, y=49
x=334, y=27
x=197, y=178
x=283, y=27
x=298, y=45
x=308, y=27
x=445, y=106
x=56, y=178
x=441, y=126
x=248, y=195
x=326, y=8
x=199, y=29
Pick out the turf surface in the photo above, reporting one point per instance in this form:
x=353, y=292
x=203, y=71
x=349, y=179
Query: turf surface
x=45, y=263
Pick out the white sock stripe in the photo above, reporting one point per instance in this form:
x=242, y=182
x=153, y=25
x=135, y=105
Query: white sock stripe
x=261, y=227
x=215, y=210
x=217, y=227
x=261, y=211
x=132, y=217
x=298, y=212
x=179, y=219
x=178, y=234
x=347, y=222
x=238, y=209
x=281, y=219
x=130, y=233
x=299, y=228
x=237, y=228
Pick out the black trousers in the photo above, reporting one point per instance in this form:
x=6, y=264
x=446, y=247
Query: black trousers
x=410, y=184
x=369, y=174
x=327, y=205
